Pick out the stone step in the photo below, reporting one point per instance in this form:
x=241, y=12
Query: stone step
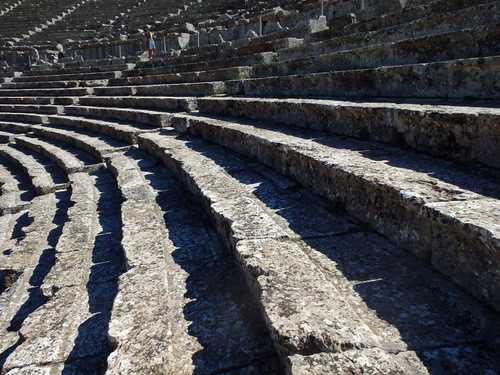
x=11, y=233
x=171, y=67
x=180, y=89
x=81, y=139
x=299, y=258
x=69, y=76
x=151, y=118
x=414, y=21
x=41, y=85
x=6, y=137
x=147, y=251
x=81, y=286
x=244, y=46
x=428, y=214
x=26, y=100
x=444, y=129
x=156, y=251
x=31, y=108
x=23, y=117
x=351, y=15
x=64, y=159
x=39, y=101
x=26, y=261
x=123, y=131
x=60, y=69
x=75, y=91
x=165, y=103
x=253, y=231
x=15, y=127
x=40, y=177
x=15, y=192
x=75, y=244
x=457, y=79
x=158, y=303
x=72, y=136
x=190, y=77
x=470, y=43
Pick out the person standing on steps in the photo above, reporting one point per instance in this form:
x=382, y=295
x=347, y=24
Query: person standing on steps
x=150, y=43
x=35, y=55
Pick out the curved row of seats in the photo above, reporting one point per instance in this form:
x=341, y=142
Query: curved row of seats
x=296, y=169
x=278, y=251
x=472, y=130
x=94, y=247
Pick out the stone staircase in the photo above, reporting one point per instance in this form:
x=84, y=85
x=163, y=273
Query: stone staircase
x=318, y=205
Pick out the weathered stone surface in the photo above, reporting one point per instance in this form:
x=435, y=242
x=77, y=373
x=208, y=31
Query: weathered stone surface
x=23, y=117
x=47, y=92
x=357, y=362
x=133, y=277
x=14, y=196
x=465, y=133
x=68, y=162
x=215, y=190
x=29, y=259
x=283, y=293
x=40, y=178
x=146, y=117
x=243, y=216
x=395, y=304
x=125, y=132
x=74, y=247
x=465, y=78
x=50, y=332
x=30, y=108
x=96, y=146
x=143, y=300
x=168, y=103
x=178, y=292
x=402, y=215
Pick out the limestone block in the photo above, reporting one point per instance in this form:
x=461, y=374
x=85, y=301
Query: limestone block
x=285, y=288
x=143, y=300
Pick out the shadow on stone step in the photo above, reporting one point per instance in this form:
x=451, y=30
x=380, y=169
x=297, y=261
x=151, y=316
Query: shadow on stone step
x=91, y=347
x=223, y=318
x=45, y=263
x=22, y=222
x=7, y=352
x=467, y=176
x=408, y=304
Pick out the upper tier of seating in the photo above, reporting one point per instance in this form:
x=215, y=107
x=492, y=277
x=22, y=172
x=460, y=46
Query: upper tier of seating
x=349, y=162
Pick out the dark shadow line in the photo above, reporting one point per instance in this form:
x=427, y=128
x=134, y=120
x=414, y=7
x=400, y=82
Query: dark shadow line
x=91, y=347
x=45, y=263
x=220, y=297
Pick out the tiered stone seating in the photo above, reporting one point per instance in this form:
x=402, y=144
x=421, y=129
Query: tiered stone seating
x=356, y=188
x=91, y=20
x=40, y=178
x=30, y=17
x=16, y=193
x=71, y=270
x=149, y=13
